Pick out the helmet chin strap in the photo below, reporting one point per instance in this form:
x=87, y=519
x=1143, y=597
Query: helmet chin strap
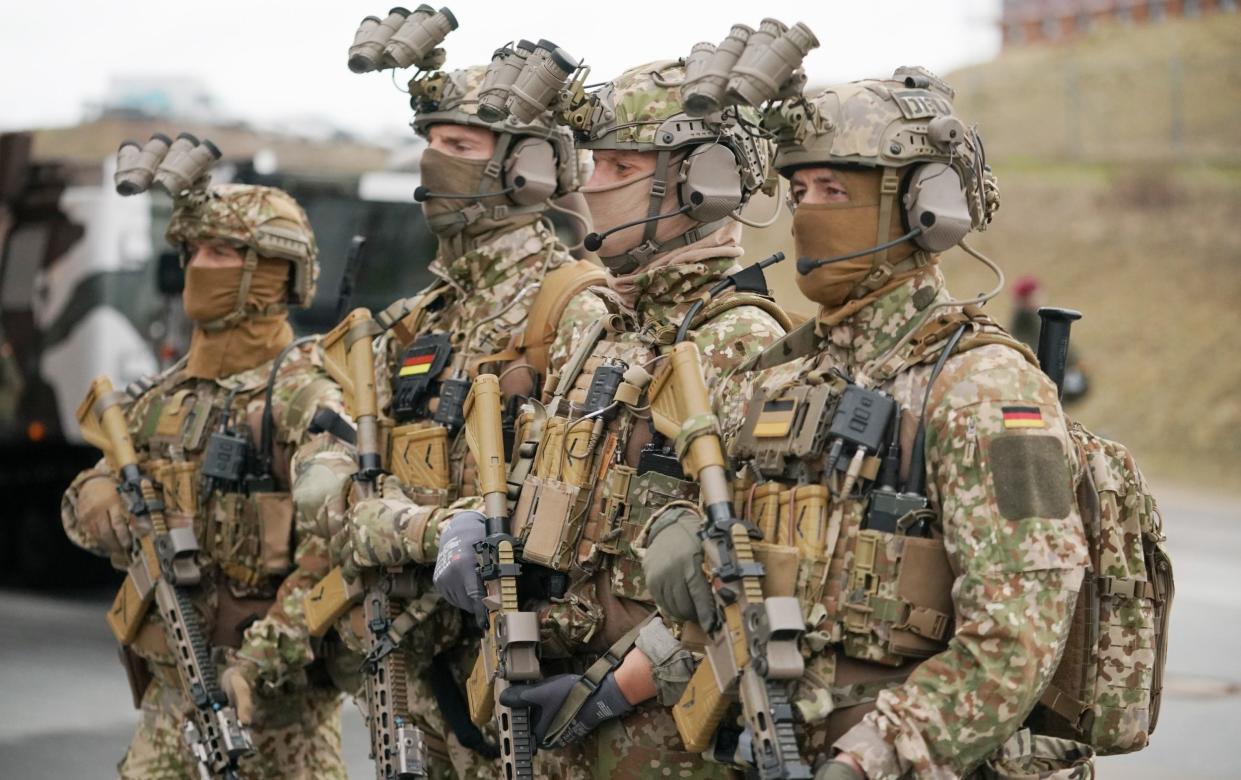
x=633, y=259
x=240, y=310
x=490, y=184
x=640, y=255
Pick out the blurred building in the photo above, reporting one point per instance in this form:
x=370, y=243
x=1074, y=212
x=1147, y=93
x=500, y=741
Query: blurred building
x=1036, y=21
x=157, y=96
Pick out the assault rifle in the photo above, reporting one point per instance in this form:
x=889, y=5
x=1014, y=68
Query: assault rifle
x=397, y=746
x=511, y=638
x=752, y=653
x=163, y=567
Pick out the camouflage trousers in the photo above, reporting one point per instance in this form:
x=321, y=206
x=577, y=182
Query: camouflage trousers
x=303, y=742
x=643, y=745
x=1027, y=756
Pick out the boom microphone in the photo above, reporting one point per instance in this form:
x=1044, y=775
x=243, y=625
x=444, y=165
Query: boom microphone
x=807, y=264
x=422, y=193
x=593, y=241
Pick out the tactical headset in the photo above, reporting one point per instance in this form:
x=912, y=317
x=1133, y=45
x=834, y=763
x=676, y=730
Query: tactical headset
x=532, y=162
x=932, y=163
x=723, y=168
x=726, y=162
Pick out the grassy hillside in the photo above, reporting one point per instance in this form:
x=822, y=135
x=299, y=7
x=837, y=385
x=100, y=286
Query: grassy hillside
x=1140, y=235
x=1168, y=91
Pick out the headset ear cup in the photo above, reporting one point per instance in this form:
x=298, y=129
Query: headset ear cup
x=936, y=202
x=530, y=169
x=710, y=183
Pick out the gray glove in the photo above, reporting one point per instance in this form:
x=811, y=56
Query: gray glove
x=673, y=568
x=545, y=698
x=837, y=770
x=456, y=564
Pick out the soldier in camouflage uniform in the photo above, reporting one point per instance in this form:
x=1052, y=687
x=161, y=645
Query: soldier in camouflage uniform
x=501, y=279
x=596, y=615
x=931, y=632
x=250, y=253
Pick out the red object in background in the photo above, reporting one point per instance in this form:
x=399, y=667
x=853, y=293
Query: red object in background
x=1025, y=286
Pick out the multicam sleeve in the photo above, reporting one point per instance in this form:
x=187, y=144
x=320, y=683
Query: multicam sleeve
x=581, y=312
x=393, y=528
x=728, y=341
x=1001, y=468
x=90, y=499
x=276, y=648
x=302, y=388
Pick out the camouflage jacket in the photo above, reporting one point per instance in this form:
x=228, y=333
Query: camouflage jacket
x=1000, y=475
x=481, y=299
x=254, y=565
x=605, y=594
x=637, y=336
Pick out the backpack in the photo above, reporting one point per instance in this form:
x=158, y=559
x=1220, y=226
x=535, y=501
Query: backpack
x=1107, y=689
x=1108, y=685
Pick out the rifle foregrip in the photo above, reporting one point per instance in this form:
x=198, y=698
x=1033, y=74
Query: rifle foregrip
x=480, y=692
x=700, y=709
x=484, y=434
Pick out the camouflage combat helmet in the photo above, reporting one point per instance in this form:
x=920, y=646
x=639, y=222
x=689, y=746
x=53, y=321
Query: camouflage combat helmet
x=452, y=97
x=642, y=110
x=267, y=222
x=894, y=124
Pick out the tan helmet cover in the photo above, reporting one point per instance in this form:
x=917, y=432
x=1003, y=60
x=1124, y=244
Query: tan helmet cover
x=266, y=221
x=929, y=169
x=891, y=123
x=451, y=97
x=642, y=110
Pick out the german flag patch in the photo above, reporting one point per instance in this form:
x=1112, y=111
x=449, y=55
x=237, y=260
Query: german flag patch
x=417, y=364
x=776, y=419
x=1023, y=417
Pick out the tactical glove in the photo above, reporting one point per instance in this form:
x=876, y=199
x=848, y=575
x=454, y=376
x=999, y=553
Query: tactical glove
x=104, y=516
x=456, y=564
x=838, y=770
x=237, y=682
x=673, y=568
x=377, y=528
x=546, y=697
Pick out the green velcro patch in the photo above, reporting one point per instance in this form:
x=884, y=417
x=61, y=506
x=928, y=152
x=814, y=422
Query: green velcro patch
x=1032, y=478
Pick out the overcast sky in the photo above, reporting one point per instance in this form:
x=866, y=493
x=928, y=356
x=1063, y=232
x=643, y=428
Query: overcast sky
x=270, y=61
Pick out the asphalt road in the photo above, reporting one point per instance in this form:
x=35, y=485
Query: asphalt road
x=65, y=709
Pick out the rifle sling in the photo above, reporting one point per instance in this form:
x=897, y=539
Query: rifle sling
x=452, y=705
x=590, y=681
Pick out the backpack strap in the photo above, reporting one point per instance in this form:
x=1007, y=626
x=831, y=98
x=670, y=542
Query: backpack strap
x=665, y=335
x=404, y=316
x=933, y=336
x=557, y=288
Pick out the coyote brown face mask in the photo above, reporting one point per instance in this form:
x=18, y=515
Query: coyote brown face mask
x=822, y=230
x=626, y=201
x=211, y=293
